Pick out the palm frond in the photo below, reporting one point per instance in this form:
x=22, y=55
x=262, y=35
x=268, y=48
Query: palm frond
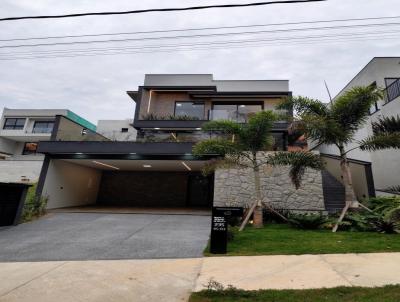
x=304, y=105
x=351, y=109
x=298, y=161
x=381, y=142
x=256, y=134
x=386, y=124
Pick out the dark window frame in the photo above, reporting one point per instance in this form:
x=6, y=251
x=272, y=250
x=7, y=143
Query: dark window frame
x=396, y=85
x=42, y=122
x=237, y=103
x=15, y=125
x=124, y=130
x=193, y=102
x=26, y=151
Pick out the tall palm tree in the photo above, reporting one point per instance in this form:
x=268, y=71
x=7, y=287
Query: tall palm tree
x=337, y=123
x=241, y=144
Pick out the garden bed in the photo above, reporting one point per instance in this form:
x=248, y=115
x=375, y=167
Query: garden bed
x=342, y=294
x=281, y=239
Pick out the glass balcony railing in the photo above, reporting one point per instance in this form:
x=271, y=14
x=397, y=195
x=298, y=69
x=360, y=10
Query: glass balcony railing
x=233, y=115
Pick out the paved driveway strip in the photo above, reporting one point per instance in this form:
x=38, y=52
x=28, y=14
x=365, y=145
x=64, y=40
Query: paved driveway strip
x=97, y=236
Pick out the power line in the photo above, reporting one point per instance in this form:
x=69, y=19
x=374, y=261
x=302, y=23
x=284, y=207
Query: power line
x=202, y=35
x=159, y=10
x=188, y=47
x=198, y=29
x=62, y=51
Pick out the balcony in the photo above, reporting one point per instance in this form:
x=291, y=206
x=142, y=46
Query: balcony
x=393, y=91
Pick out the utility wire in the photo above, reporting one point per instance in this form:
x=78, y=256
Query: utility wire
x=198, y=29
x=158, y=10
x=202, y=35
x=349, y=39
x=219, y=42
x=240, y=44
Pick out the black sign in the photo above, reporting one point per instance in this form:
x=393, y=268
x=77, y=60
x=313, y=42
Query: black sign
x=219, y=227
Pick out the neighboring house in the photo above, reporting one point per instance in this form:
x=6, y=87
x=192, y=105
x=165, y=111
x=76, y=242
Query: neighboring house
x=373, y=172
x=117, y=130
x=20, y=132
x=159, y=169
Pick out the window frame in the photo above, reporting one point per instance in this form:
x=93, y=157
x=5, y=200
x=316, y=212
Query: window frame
x=193, y=102
x=238, y=103
x=44, y=121
x=25, y=151
x=13, y=126
x=124, y=130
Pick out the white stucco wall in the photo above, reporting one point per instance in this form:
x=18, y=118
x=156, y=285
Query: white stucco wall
x=112, y=129
x=385, y=164
x=68, y=184
x=7, y=146
x=21, y=170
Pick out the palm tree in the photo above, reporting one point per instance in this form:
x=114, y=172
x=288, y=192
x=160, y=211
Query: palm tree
x=336, y=124
x=240, y=145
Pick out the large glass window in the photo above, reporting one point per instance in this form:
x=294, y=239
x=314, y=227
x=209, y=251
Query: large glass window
x=14, y=124
x=29, y=148
x=235, y=112
x=43, y=127
x=190, y=110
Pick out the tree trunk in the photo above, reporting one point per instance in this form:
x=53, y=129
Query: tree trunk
x=350, y=196
x=258, y=213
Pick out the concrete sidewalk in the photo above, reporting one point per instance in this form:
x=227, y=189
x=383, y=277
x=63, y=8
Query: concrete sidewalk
x=301, y=272
x=173, y=279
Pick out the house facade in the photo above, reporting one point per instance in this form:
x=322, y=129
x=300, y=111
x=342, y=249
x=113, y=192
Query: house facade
x=20, y=132
x=373, y=172
x=158, y=169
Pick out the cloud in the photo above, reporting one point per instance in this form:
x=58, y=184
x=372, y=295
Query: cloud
x=95, y=87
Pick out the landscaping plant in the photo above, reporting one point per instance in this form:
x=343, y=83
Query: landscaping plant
x=307, y=221
x=240, y=145
x=336, y=124
x=33, y=207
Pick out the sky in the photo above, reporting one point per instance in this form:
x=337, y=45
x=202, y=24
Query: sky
x=95, y=86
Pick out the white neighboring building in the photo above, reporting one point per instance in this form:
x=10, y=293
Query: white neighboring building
x=20, y=132
x=117, y=130
x=385, y=73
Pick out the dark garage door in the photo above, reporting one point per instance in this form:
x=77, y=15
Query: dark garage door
x=12, y=197
x=155, y=189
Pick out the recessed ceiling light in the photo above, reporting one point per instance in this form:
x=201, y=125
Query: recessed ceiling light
x=242, y=106
x=146, y=166
x=132, y=153
x=157, y=128
x=198, y=128
x=78, y=153
x=105, y=165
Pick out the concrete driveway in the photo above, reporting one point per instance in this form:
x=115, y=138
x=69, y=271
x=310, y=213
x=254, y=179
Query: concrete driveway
x=97, y=236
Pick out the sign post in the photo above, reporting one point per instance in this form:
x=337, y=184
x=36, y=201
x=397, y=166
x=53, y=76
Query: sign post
x=219, y=227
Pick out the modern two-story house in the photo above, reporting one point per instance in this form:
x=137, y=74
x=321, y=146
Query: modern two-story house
x=20, y=132
x=373, y=172
x=158, y=169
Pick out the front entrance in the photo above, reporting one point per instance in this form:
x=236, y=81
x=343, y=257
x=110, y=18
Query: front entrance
x=200, y=190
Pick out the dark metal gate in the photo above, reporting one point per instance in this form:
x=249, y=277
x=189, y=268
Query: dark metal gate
x=12, y=198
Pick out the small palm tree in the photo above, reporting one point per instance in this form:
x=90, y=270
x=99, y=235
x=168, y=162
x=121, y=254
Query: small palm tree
x=240, y=145
x=336, y=124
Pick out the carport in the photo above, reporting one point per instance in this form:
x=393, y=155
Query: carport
x=162, y=176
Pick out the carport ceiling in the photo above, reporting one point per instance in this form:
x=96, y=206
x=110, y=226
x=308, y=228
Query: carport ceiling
x=139, y=165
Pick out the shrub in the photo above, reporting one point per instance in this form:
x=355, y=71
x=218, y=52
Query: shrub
x=271, y=217
x=384, y=216
x=307, y=221
x=34, y=207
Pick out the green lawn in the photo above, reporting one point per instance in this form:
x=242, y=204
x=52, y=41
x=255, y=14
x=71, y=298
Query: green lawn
x=342, y=294
x=280, y=239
